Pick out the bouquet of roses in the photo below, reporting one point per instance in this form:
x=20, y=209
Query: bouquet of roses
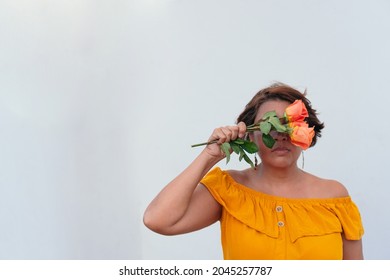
x=293, y=123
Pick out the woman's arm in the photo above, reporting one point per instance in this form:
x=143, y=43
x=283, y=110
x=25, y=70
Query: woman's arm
x=352, y=249
x=184, y=205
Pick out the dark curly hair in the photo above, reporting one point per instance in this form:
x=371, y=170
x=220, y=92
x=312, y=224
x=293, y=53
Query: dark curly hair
x=280, y=91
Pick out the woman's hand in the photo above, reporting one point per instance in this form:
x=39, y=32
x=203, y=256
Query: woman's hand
x=222, y=135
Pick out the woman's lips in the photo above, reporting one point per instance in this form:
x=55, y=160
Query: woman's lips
x=280, y=149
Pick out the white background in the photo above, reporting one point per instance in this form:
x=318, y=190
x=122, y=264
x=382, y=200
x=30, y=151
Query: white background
x=101, y=100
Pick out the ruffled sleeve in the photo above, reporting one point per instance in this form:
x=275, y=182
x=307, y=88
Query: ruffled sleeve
x=315, y=217
x=247, y=207
x=350, y=219
x=303, y=217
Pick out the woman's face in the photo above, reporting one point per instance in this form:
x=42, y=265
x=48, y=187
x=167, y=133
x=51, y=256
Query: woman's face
x=283, y=154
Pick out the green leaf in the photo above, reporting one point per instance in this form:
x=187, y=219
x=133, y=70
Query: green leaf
x=269, y=115
x=226, y=149
x=248, y=160
x=265, y=127
x=276, y=123
x=250, y=147
x=240, y=149
x=238, y=141
x=268, y=140
x=242, y=154
x=236, y=148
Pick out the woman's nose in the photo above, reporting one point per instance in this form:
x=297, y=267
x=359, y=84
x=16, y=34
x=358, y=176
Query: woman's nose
x=279, y=136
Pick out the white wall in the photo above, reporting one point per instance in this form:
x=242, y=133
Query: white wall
x=101, y=100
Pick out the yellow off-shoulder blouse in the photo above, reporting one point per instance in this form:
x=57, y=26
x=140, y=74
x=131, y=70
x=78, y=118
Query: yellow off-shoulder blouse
x=255, y=225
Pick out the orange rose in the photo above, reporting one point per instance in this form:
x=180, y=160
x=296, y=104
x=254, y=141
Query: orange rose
x=301, y=134
x=296, y=112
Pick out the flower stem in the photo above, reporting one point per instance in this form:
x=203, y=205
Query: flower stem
x=204, y=143
x=249, y=128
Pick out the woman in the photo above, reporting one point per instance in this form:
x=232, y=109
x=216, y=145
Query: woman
x=273, y=211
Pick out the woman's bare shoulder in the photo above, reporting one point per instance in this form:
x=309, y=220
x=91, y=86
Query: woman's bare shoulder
x=240, y=176
x=327, y=188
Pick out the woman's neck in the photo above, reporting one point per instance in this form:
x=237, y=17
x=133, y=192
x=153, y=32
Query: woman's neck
x=277, y=176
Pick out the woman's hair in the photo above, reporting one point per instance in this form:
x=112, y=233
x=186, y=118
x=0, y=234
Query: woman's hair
x=279, y=91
